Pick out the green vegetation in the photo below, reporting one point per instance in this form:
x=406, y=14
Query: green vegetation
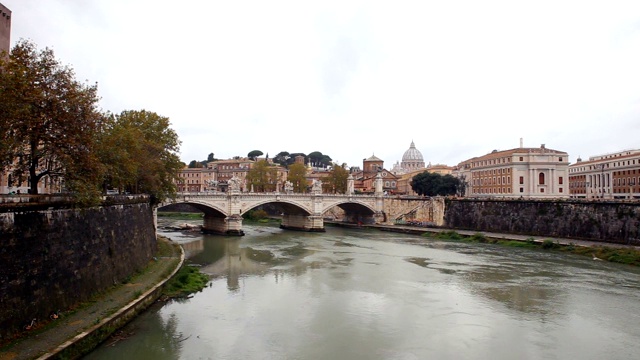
x=336, y=182
x=262, y=177
x=432, y=184
x=622, y=256
x=445, y=235
x=256, y=215
x=179, y=215
x=297, y=176
x=187, y=280
x=54, y=131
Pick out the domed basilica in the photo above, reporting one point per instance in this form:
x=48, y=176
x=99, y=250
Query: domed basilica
x=412, y=160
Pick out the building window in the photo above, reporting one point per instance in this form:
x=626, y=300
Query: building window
x=560, y=180
x=541, y=190
x=521, y=158
x=560, y=190
x=521, y=180
x=521, y=190
x=541, y=178
x=560, y=159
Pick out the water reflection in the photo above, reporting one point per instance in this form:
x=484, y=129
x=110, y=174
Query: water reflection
x=352, y=294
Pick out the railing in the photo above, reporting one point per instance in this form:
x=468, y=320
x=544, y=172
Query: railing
x=59, y=198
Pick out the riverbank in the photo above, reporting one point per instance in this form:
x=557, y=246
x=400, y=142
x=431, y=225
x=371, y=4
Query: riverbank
x=76, y=331
x=620, y=253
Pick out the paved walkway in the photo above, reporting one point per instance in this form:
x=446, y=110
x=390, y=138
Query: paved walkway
x=47, y=339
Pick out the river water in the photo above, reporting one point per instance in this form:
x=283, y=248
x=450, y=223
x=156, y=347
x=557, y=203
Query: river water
x=367, y=294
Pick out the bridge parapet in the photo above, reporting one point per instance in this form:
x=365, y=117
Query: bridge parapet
x=303, y=211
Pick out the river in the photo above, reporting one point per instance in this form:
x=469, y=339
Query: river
x=367, y=294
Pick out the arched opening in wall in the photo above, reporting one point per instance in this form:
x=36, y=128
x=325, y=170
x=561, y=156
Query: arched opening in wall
x=541, y=178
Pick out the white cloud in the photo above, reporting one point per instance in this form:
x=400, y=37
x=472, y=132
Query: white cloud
x=355, y=78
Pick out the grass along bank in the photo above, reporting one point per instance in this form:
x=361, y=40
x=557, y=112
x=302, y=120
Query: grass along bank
x=180, y=215
x=617, y=255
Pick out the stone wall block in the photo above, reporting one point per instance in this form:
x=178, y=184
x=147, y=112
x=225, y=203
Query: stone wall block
x=54, y=259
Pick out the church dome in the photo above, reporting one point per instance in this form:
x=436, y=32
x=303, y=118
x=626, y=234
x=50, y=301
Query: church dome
x=412, y=155
x=412, y=159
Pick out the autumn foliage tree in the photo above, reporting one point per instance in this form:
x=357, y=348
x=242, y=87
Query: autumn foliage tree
x=336, y=182
x=262, y=177
x=139, y=150
x=298, y=177
x=48, y=120
x=50, y=127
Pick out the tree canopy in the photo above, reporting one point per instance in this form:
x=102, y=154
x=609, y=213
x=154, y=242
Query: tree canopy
x=282, y=158
x=336, y=182
x=318, y=159
x=253, y=155
x=298, y=177
x=262, y=177
x=52, y=129
x=146, y=149
x=433, y=184
x=49, y=120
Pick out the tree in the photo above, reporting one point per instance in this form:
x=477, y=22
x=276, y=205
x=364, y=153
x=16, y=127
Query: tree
x=298, y=177
x=195, y=164
x=211, y=158
x=433, y=184
x=49, y=121
x=315, y=157
x=318, y=159
x=254, y=154
x=258, y=176
x=282, y=158
x=336, y=182
x=146, y=148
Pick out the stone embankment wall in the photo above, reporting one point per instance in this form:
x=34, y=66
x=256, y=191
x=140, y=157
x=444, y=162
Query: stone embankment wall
x=424, y=209
x=614, y=222
x=53, y=259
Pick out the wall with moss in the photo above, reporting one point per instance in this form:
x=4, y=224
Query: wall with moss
x=56, y=258
x=615, y=222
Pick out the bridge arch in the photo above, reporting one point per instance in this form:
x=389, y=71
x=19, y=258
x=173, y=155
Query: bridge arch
x=223, y=211
x=357, y=212
x=288, y=206
x=206, y=208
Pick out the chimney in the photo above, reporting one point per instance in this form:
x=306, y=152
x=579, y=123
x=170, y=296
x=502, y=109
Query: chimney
x=520, y=142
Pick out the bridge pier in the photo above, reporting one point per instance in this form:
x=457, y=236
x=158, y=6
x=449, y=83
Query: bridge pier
x=231, y=225
x=302, y=222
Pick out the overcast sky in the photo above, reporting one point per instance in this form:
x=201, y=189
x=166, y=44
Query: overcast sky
x=355, y=78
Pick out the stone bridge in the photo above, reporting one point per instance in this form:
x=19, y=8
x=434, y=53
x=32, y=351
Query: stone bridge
x=223, y=211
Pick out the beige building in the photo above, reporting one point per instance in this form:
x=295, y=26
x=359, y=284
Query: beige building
x=521, y=172
x=215, y=176
x=609, y=176
x=371, y=167
x=5, y=28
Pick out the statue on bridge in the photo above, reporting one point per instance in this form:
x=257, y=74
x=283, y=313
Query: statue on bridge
x=288, y=187
x=234, y=184
x=316, y=187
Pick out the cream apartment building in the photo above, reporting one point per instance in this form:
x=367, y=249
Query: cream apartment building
x=531, y=173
